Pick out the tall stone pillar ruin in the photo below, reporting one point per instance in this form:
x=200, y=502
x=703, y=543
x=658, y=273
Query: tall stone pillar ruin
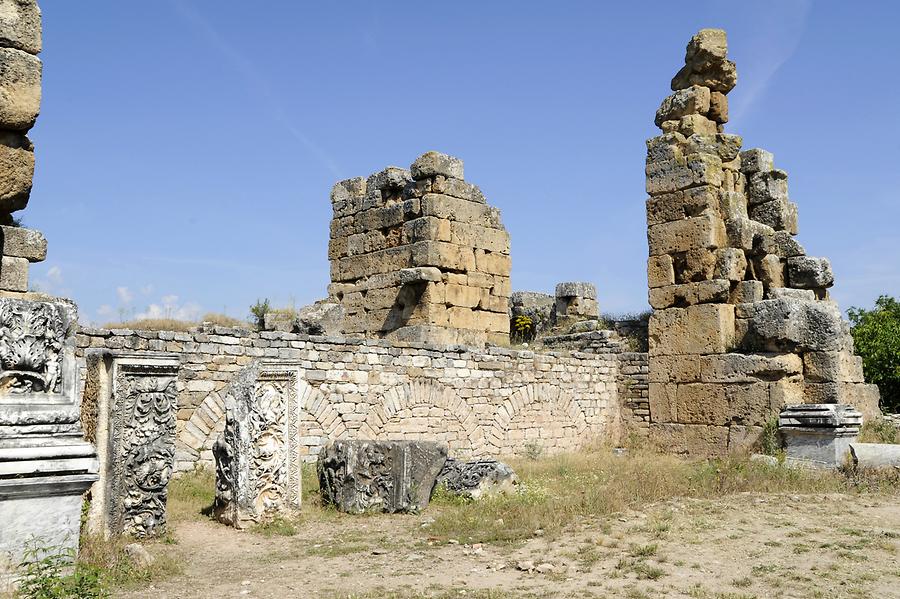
x=419, y=255
x=742, y=321
x=45, y=463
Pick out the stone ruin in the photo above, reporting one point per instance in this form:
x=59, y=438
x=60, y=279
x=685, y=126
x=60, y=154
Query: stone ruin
x=419, y=255
x=742, y=321
x=45, y=463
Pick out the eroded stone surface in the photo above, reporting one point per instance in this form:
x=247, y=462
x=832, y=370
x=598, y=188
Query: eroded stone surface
x=357, y=476
x=478, y=478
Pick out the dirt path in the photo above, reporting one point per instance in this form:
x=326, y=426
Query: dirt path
x=743, y=546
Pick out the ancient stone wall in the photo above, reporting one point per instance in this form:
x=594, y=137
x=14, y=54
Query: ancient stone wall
x=743, y=324
x=480, y=402
x=419, y=255
x=20, y=103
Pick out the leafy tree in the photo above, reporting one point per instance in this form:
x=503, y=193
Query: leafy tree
x=876, y=335
x=258, y=311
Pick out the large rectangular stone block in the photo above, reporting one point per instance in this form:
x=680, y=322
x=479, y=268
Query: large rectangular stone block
x=20, y=89
x=702, y=403
x=442, y=255
x=707, y=231
x=834, y=366
x=492, y=263
x=20, y=25
x=675, y=369
x=357, y=476
x=16, y=171
x=456, y=209
x=663, y=402
x=689, y=294
x=748, y=368
x=660, y=272
x=701, y=329
x=13, y=274
x=666, y=176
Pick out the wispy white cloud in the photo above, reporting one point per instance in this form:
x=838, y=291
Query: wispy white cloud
x=125, y=295
x=777, y=39
x=255, y=81
x=170, y=307
x=52, y=283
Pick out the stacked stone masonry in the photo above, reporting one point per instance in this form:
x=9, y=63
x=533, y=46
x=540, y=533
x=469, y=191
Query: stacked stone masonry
x=419, y=255
x=20, y=103
x=743, y=324
x=480, y=402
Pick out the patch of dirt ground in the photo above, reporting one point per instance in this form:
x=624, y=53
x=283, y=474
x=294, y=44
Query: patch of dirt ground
x=742, y=546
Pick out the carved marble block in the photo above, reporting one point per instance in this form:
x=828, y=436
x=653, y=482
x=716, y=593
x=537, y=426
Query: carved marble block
x=478, y=478
x=358, y=475
x=819, y=435
x=258, y=454
x=45, y=463
x=133, y=396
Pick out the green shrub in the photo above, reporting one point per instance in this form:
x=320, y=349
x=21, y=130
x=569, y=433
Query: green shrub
x=876, y=335
x=51, y=572
x=259, y=310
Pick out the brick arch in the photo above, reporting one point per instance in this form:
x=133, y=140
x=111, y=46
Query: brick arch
x=424, y=393
x=525, y=397
x=200, y=432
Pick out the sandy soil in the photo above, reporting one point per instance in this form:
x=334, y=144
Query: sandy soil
x=749, y=545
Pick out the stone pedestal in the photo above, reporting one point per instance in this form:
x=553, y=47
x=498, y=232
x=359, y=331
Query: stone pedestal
x=819, y=435
x=45, y=464
x=133, y=398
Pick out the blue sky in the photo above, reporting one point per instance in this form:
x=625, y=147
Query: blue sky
x=186, y=149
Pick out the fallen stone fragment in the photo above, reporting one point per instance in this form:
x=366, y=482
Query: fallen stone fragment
x=477, y=479
x=357, y=476
x=875, y=455
x=138, y=555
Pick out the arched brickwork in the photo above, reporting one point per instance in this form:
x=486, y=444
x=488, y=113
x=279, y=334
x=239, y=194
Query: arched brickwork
x=538, y=414
x=426, y=410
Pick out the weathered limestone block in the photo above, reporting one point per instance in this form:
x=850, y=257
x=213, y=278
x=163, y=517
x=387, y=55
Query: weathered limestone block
x=748, y=368
x=731, y=264
x=19, y=242
x=689, y=294
x=576, y=299
x=691, y=100
x=783, y=245
x=20, y=89
x=780, y=215
x=16, y=171
x=136, y=407
x=357, y=475
x=696, y=125
x=789, y=293
x=792, y=325
x=768, y=186
x=718, y=107
x=756, y=160
x=539, y=307
x=821, y=367
x=701, y=329
x=13, y=274
x=477, y=479
x=666, y=176
x=675, y=206
x=695, y=439
x=20, y=25
x=770, y=270
x=806, y=272
x=432, y=164
x=724, y=145
x=746, y=292
x=659, y=271
x=257, y=456
x=819, y=435
x=705, y=231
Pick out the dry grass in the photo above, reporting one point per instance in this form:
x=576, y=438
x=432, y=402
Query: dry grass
x=561, y=490
x=153, y=324
x=223, y=320
x=879, y=431
x=191, y=495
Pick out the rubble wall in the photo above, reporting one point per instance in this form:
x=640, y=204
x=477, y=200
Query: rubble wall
x=743, y=324
x=481, y=402
x=419, y=255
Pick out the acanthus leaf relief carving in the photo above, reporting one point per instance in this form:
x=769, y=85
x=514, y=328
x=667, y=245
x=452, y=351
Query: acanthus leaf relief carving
x=258, y=453
x=143, y=425
x=32, y=336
